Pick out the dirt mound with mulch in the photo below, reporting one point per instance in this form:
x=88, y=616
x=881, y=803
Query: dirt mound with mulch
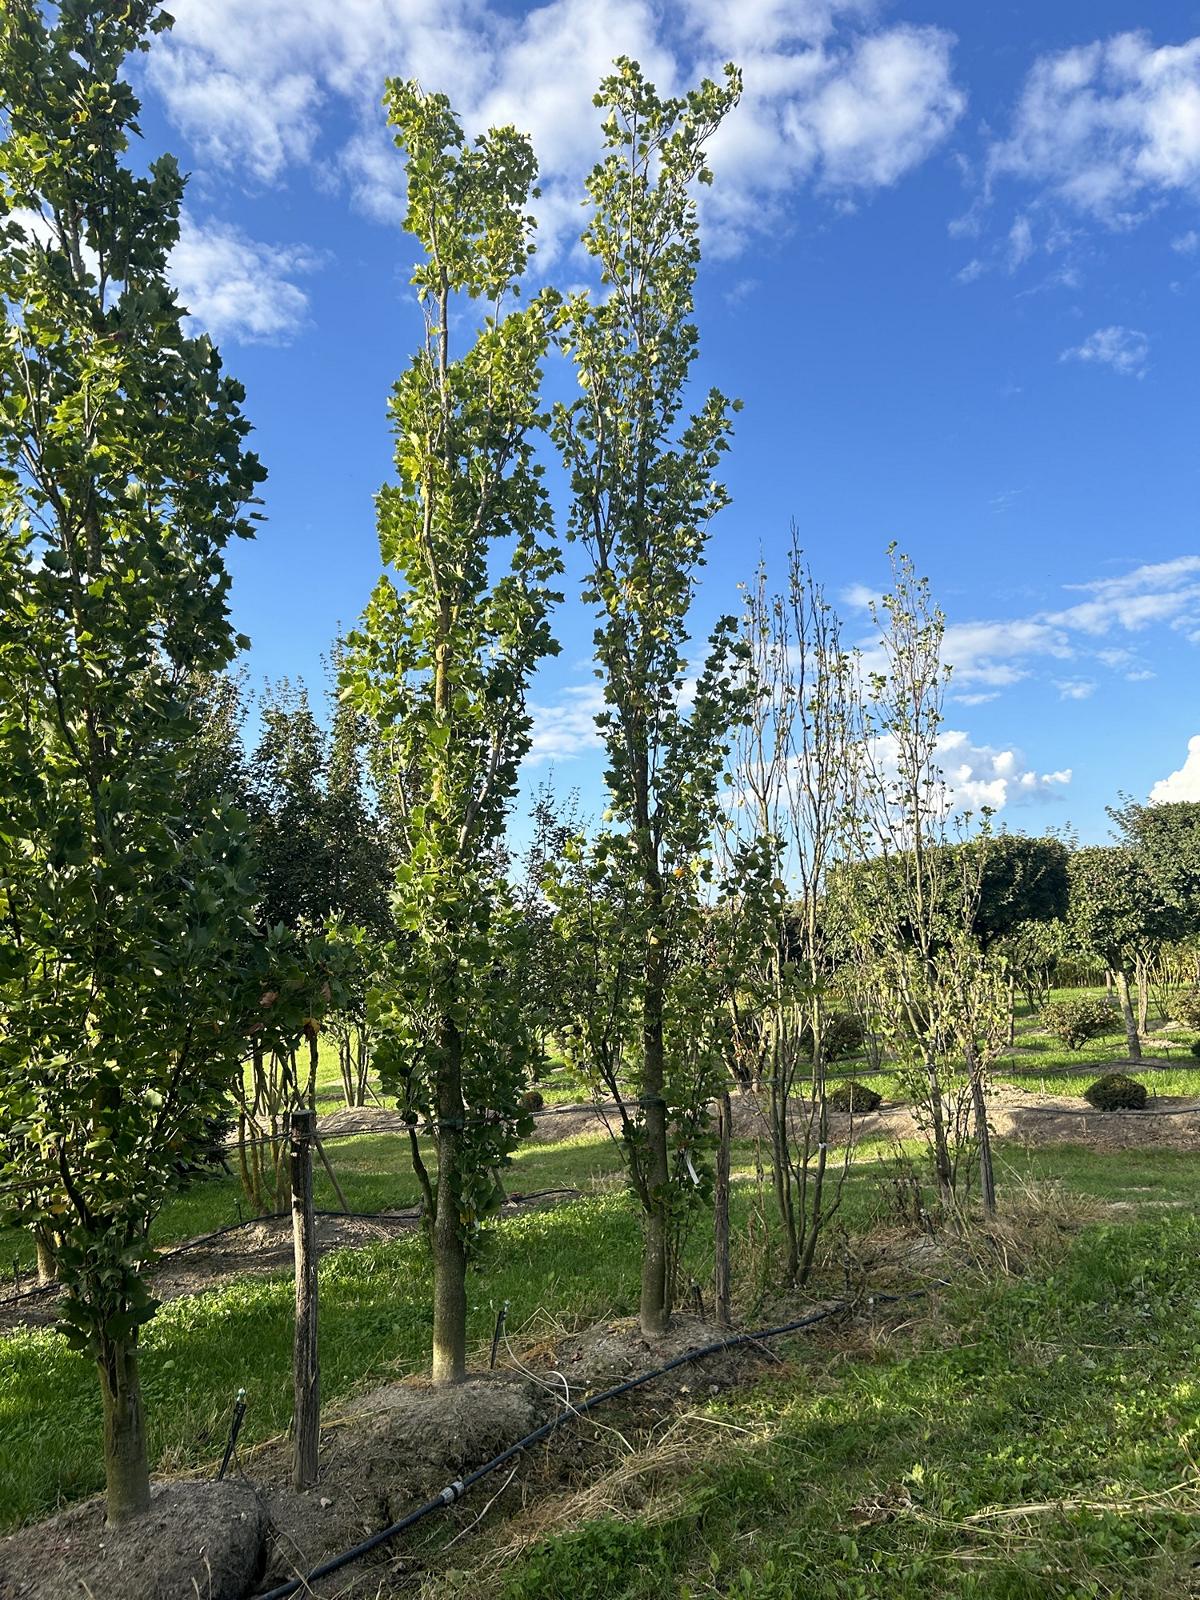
x=396, y=1447
x=393, y=1449
x=206, y=1541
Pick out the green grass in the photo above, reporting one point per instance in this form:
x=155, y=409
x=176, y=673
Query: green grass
x=1076, y=1384
x=578, y=1261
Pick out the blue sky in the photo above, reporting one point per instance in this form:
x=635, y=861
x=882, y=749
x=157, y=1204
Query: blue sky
x=952, y=269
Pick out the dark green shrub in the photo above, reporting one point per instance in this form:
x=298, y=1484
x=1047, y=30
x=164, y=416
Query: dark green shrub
x=1077, y=1021
x=1185, y=1008
x=843, y=1037
x=1196, y=1048
x=856, y=1097
x=1115, y=1092
x=532, y=1100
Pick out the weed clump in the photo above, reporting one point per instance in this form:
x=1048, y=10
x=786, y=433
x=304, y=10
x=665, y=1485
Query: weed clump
x=1075, y=1022
x=1115, y=1092
x=854, y=1097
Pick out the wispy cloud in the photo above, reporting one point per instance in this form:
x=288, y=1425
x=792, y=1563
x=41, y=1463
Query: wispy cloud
x=1156, y=593
x=566, y=728
x=989, y=655
x=237, y=288
x=1125, y=350
x=1075, y=688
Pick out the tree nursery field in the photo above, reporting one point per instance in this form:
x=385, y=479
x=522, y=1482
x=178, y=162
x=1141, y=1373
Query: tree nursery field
x=781, y=1182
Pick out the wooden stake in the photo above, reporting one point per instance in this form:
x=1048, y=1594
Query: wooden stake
x=721, y=1210
x=306, y=1368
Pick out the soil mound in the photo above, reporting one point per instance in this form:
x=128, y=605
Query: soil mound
x=396, y=1448
x=204, y=1540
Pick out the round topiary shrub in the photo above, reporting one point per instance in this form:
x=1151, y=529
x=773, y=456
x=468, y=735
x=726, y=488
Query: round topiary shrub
x=1115, y=1092
x=1196, y=1048
x=843, y=1036
x=532, y=1100
x=1185, y=1008
x=854, y=1097
x=1077, y=1021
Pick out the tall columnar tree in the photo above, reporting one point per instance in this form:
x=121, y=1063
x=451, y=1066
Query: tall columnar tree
x=442, y=661
x=123, y=476
x=643, y=496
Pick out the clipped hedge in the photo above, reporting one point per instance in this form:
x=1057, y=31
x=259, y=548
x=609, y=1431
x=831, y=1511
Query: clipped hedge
x=854, y=1097
x=1076, y=1022
x=1115, y=1092
x=843, y=1037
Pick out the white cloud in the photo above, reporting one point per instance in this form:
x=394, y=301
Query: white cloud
x=1160, y=592
x=997, y=654
x=567, y=728
x=1184, y=784
x=237, y=288
x=972, y=775
x=989, y=656
x=827, y=100
x=1125, y=350
x=1109, y=128
x=980, y=775
x=860, y=596
x=1187, y=243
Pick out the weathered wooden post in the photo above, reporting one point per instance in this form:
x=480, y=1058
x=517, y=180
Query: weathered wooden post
x=306, y=1367
x=721, y=1210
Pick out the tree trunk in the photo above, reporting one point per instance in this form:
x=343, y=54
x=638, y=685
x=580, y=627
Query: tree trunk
x=655, y=1310
x=781, y=1156
x=306, y=1363
x=47, y=1264
x=721, y=1211
x=126, y=1468
x=1143, y=993
x=1127, y=1016
x=449, y=1249
x=941, y=1145
x=1012, y=1008
x=987, y=1172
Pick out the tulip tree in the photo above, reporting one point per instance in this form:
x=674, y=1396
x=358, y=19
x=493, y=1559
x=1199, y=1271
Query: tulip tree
x=643, y=496
x=441, y=663
x=123, y=475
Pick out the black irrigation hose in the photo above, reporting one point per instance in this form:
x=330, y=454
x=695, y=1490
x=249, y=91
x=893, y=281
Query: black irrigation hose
x=455, y=1491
